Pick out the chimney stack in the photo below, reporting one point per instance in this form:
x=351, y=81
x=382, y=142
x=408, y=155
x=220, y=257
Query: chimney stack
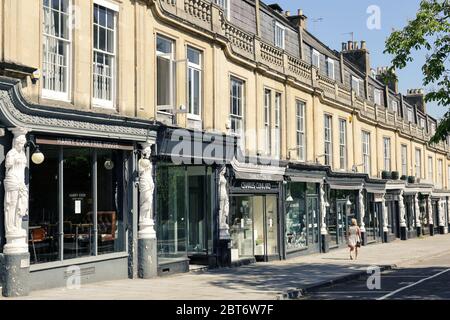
x=416, y=97
x=357, y=53
x=300, y=20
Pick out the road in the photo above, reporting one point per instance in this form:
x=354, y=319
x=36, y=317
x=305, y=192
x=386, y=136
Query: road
x=422, y=280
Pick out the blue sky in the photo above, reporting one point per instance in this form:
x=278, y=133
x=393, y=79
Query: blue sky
x=334, y=18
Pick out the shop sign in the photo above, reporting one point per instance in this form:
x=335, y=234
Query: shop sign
x=75, y=142
x=378, y=197
x=256, y=185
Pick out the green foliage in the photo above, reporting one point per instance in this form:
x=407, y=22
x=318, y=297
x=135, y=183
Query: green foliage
x=429, y=31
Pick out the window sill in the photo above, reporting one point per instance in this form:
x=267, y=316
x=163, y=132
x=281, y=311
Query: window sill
x=77, y=261
x=194, y=117
x=55, y=96
x=104, y=104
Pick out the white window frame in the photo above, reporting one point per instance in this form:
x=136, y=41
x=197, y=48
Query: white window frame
x=343, y=144
x=277, y=123
x=367, y=166
x=448, y=177
x=192, y=68
x=328, y=142
x=279, y=31
x=430, y=168
x=394, y=105
x=267, y=121
x=315, y=55
x=410, y=114
x=404, y=159
x=300, y=109
x=97, y=102
x=418, y=163
x=330, y=62
x=226, y=7
x=54, y=94
x=387, y=153
x=356, y=81
x=167, y=109
x=377, y=96
x=238, y=118
x=440, y=173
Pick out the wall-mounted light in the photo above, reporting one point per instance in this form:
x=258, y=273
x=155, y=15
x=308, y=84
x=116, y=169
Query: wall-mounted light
x=348, y=203
x=37, y=157
x=109, y=164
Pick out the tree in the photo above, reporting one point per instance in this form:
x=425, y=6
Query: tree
x=429, y=31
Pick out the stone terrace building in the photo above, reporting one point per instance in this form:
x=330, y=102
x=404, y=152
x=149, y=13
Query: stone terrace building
x=162, y=133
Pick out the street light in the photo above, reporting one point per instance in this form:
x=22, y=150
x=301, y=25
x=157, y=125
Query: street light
x=37, y=157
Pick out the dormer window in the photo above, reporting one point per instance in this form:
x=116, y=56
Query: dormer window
x=330, y=68
x=225, y=5
x=279, y=35
x=355, y=85
x=315, y=58
x=377, y=96
x=410, y=115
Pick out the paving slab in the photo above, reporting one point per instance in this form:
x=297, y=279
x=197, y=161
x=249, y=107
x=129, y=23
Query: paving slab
x=260, y=281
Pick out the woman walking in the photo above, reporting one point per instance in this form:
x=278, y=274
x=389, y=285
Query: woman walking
x=354, y=238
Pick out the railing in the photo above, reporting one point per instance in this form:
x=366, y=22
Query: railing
x=299, y=69
x=243, y=43
x=200, y=9
x=273, y=56
x=240, y=40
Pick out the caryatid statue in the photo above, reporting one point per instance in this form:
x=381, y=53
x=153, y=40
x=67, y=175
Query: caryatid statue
x=385, y=214
x=417, y=209
x=224, y=205
x=441, y=213
x=146, y=189
x=362, y=209
x=430, y=211
x=323, y=210
x=401, y=204
x=16, y=194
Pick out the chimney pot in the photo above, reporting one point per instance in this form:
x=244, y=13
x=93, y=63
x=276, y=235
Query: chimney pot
x=350, y=45
x=363, y=45
x=355, y=45
x=300, y=12
x=287, y=13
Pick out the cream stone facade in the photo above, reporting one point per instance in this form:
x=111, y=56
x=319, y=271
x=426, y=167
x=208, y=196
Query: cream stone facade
x=388, y=137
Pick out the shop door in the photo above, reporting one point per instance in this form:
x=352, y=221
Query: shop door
x=342, y=221
x=265, y=227
x=312, y=216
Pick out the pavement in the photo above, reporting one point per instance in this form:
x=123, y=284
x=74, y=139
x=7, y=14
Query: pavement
x=422, y=280
x=261, y=281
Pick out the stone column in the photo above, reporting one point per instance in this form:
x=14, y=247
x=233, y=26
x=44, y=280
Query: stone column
x=16, y=256
x=430, y=215
x=417, y=211
x=401, y=205
x=362, y=214
x=147, y=244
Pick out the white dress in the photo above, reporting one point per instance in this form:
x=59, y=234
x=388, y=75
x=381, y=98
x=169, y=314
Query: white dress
x=353, y=238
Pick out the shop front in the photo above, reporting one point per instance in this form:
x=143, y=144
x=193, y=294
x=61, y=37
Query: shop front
x=255, y=221
x=342, y=211
x=70, y=197
x=375, y=215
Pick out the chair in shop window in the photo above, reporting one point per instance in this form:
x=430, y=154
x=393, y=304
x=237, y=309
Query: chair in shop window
x=38, y=237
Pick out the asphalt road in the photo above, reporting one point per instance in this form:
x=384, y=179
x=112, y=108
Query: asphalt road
x=423, y=280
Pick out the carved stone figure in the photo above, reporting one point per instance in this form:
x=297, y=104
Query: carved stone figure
x=441, y=213
x=430, y=211
x=401, y=205
x=362, y=210
x=417, y=209
x=385, y=214
x=224, y=205
x=16, y=194
x=146, y=189
x=323, y=210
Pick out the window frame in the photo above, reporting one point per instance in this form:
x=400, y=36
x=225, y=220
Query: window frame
x=440, y=173
x=328, y=157
x=279, y=27
x=53, y=94
x=166, y=109
x=189, y=95
x=355, y=80
x=330, y=61
x=226, y=7
x=315, y=53
x=97, y=102
x=343, y=165
x=300, y=130
x=367, y=165
x=418, y=163
x=387, y=162
x=239, y=118
x=377, y=96
x=267, y=121
x=277, y=123
x=430, y=169
x=404, y=156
